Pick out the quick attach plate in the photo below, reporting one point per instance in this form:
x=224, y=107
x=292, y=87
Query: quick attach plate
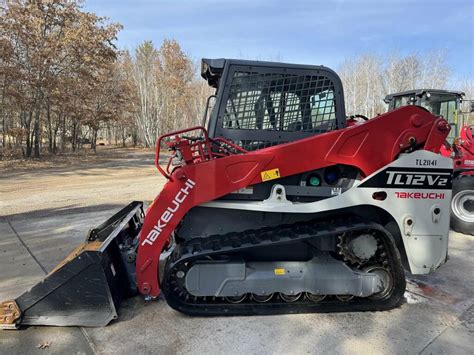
x=9, y=315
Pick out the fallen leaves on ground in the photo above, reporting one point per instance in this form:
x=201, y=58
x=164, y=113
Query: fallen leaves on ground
x=44, y=345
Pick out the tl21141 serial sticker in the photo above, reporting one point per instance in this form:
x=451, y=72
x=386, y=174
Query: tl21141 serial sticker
x=426, y=162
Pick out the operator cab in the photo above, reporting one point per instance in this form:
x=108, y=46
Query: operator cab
x=442, y=103
x=260, y=104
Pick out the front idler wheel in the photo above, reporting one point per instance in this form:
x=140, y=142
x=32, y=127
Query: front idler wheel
x=387, y=280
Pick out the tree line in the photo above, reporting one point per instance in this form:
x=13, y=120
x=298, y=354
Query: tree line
x=64, y=83
x=369, y=77
x=63, y=80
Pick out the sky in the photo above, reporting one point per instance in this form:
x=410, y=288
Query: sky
x=324, y=32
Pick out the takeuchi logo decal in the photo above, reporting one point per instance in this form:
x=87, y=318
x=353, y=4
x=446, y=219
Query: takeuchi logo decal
x=420, y=195
x=169, y=212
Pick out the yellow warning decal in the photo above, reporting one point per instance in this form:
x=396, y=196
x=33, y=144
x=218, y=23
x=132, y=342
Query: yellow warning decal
x=270, y=174
x=279, y=271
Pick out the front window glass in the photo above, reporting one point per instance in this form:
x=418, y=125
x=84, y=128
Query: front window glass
x=440, y=105
x=403, y=101
x=282, y=102
x=444, y=106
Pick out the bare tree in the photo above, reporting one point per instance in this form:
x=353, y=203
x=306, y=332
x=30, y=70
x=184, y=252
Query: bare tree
x=169, y=96
x=369, y=78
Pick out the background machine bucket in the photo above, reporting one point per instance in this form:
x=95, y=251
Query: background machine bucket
x=88, y=285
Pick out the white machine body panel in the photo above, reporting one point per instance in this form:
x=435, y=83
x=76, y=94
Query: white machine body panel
x=418, y=196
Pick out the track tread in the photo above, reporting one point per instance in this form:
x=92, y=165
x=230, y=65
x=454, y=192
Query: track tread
x=267, y=236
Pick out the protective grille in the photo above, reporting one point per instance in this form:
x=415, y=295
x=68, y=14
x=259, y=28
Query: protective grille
x=281, y=102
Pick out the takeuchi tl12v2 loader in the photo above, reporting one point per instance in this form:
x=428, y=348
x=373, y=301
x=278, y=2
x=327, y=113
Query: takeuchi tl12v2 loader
x=281, y=206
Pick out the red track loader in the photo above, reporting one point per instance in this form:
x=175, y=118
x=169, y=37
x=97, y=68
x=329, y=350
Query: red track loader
x=459, y=146
x=280, y=206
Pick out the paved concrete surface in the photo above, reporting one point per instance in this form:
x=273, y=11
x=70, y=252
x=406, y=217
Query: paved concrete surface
x=438, y=317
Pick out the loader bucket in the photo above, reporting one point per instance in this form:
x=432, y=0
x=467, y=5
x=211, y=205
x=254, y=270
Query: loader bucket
x=86, y=288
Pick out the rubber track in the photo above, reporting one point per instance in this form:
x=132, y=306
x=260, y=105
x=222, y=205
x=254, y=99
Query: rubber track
x=200, y=248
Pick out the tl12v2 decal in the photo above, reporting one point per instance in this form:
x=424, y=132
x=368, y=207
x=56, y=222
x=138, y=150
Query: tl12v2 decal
x=411, y=178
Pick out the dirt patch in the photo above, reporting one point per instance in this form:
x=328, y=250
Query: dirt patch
x=112, y=176
x=81, y=157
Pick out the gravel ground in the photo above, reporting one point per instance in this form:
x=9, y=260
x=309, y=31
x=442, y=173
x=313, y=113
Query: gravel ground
x=115, y=176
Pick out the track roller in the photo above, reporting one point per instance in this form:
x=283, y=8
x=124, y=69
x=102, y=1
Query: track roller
x=290, y=298
x=344, y=298
x=315, y=298
x=262, y=298
x=236, y=299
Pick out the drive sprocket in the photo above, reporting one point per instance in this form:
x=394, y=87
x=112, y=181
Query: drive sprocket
x=357, y=249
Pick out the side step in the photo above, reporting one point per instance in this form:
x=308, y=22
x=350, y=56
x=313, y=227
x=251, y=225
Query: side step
x=86, y=288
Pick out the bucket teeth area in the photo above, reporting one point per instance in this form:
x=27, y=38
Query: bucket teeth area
x=9, y=314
